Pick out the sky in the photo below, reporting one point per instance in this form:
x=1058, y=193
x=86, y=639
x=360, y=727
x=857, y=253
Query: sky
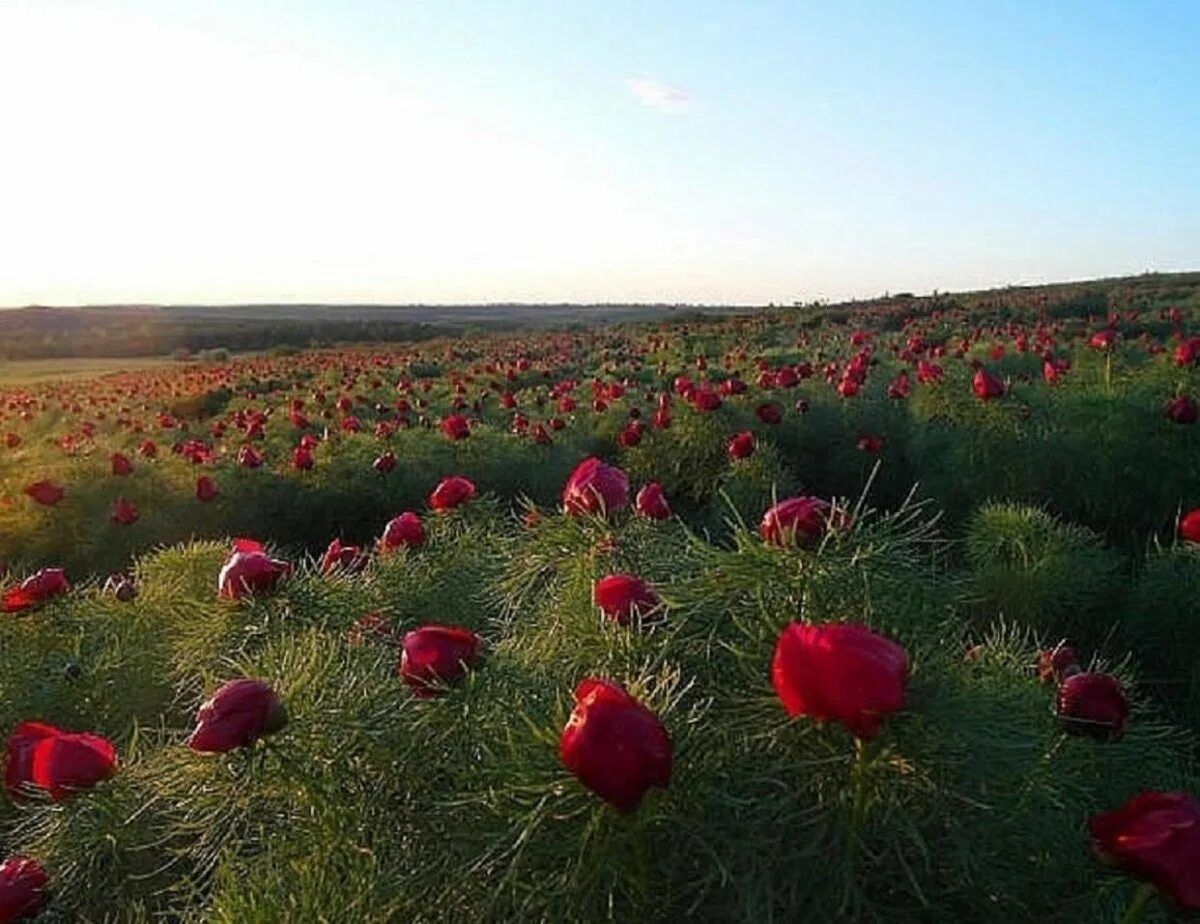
x=714, y=152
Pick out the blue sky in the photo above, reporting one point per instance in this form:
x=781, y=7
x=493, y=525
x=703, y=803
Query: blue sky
x=715, y=152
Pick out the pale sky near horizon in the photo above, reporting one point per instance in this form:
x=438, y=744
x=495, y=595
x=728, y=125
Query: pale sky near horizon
x=392, y=151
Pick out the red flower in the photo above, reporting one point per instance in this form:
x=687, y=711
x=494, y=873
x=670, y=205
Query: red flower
x=57, y=762
x=986, y=386
x=742, y=446
x=456, y=427
x=451, y=492
x=302, y=459
x=249, y=570
x=595, y=487
x=237, y=715
x=1093, y=705
x=798, y=521
x=206, y=489
x=249, y=457
x=125, y=512
x=1056, y=665
x=871, y=444
x=121, y=464
x=406, y=530
x=840, y=672
x=434, y=655
x=1103, y=339
x=614, y=745
x=900, y=387
x=148, y=449
x=705, y=399
x=651, y=503
x=1156, y=837
x=1189, y=526
x=770, y=413
x=338, y=557
x=22, y=889
x=384, y=463
x=45, y=493
x=12, y=440
x=1182, y=410
x=623, y=596
x=35, y=589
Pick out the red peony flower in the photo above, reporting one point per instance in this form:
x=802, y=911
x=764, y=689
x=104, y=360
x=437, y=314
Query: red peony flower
x=406, y=530
x=1156, y=837
x=148, y=449
x=45, y=493
x=651, y=502
x=1103, y=339
x=597, y=488
x=840, y=672
x=1093, y=705
x=34, y=590
x=614, y=745
x=124, y=512
x=237, y=715
x=249, y=457
x=348, y=558
x=451, y=492
x=22, y=889
x=799, y=521
x=621, y=597
x=456, y=427
x=871, y=444
x=770, y=413
x=1189, y=526
x=434, y=655
x=987, y=386
x=742, y=446
x=1182, y=410
x=249, y=570
x=206, y=489
x=384, y=463
x=42, y=757
x=121, y=465
x=302, y=459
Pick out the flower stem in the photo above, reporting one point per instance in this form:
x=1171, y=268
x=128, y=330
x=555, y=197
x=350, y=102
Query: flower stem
x=1137, y=907
x=859, y=780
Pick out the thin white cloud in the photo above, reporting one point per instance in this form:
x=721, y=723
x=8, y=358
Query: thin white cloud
x=658, y=95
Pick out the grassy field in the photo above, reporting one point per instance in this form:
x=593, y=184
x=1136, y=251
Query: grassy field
x=32, y=371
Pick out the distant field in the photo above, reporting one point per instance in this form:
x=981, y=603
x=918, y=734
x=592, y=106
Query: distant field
x=28, y=371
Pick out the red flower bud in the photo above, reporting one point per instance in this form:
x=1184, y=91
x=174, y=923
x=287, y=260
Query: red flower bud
x=1156, y=837
x=840, y=672
x=1093, y=705
x=249, y=570
x=621, y=597
x=22, y=889
x=434, y=655
x=406, y=530
x=597, y=488
x=237, y=715
x=651, y=503
x=614, y=745
x=451, y=492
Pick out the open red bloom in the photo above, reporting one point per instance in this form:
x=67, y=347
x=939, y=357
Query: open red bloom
x=237, y=715
x=742, y=446
x=652, y=503
x=206, y=489
x=456, y=427
x=35, y=589
x=435, y=655
x=124, y=512
x=22, y=889
x=595, y=487
x=249, y=570
x=302, y=459
x=384, y=463
x=1093, y=705
x=622, y=596
x=45, y=493
x=57, y=762
x=987, y=386
x=404, y=530
x=1189, y=526
x=338, y=557
x=451, y=492
x=799, y=521
x=614, y=745
x=121, y=464
x=1156, y=837
x=249, y=457
x=840, y=672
